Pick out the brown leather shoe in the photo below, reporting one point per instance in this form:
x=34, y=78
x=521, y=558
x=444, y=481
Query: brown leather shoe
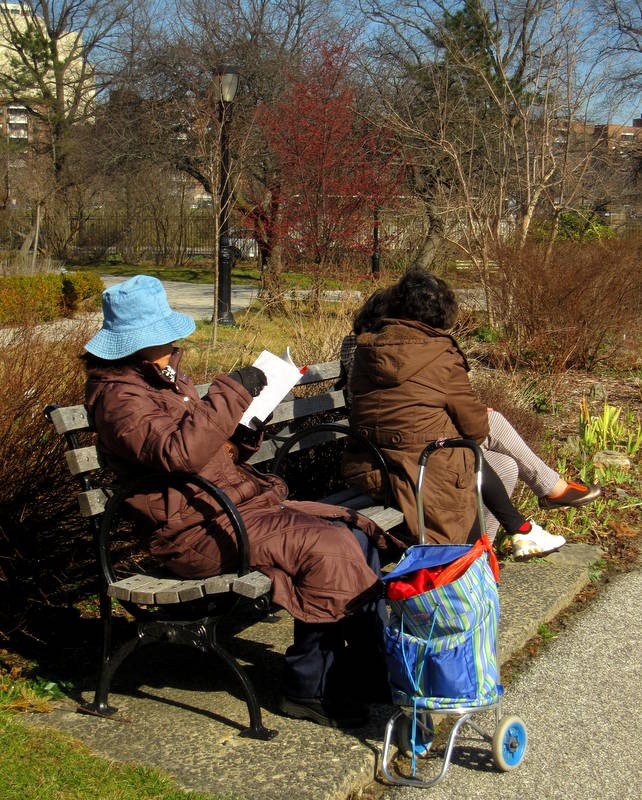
x=575, y=494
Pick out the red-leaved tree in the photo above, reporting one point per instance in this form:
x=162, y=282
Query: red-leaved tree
x=335, y=170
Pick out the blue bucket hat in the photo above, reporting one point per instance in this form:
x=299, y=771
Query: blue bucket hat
x=136, y=315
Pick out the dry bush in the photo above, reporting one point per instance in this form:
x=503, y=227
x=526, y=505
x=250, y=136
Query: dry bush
x=35, y=371
x=317, y=336
x=572, y=311
x=518, y=399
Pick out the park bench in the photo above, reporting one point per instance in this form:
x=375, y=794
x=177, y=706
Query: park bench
x=187, y=612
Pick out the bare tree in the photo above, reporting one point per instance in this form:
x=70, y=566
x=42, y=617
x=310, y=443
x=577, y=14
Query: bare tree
x=55, y=62
x=264, y=39
x=621, y=26
x=488, y=101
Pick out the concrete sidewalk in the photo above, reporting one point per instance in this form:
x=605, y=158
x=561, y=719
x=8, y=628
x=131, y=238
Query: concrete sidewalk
x=177, y=719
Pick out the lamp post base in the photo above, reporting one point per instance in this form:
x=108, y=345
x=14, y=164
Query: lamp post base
x=226, y=318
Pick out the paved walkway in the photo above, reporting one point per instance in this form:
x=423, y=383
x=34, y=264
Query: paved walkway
x=581, y=699
x=196, y=299
x=177, y=717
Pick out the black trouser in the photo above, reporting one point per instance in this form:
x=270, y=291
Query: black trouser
x=496, y=499
x=340, y=659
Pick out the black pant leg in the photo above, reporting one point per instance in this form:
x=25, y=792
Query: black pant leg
x=496, y=499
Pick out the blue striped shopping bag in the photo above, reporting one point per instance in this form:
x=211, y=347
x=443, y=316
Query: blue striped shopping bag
x=441, y=642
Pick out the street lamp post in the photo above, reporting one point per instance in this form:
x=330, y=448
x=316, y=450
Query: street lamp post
x=227, y=81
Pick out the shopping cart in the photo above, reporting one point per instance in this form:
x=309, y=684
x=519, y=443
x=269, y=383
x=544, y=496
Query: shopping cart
x=441, y=645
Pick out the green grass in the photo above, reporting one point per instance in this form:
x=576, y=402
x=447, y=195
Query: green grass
x=545, y=632
x=42, y=764
x=196, y=273
x=244, y=273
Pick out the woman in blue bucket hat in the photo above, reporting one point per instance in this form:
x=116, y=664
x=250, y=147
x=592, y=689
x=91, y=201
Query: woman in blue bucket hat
x=323, y=560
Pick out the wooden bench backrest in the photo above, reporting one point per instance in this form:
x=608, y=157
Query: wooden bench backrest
x=83, y=461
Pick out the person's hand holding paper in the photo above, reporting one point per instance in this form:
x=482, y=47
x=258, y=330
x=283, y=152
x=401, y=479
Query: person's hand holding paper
x=281, y=374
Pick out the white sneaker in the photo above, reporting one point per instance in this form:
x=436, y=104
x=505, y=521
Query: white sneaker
x=537, y=542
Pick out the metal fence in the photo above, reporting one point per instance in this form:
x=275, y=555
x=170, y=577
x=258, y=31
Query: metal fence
x=177, y=238
x=173, y=237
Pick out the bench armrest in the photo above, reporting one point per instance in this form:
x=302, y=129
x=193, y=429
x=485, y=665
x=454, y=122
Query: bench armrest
x=377, y=455
x=114, y=506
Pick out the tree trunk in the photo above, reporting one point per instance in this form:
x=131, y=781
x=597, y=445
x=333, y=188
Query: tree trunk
x=429, y=248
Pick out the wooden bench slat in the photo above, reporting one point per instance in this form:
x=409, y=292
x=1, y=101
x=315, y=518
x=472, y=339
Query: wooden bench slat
x=252, y=585
x=315, y=373
x=386, y=518
x=70, y=418
x=304, y=406
x=342, y=497
x=178, y=591
x=357, y=502
x=190, y=590
x=83, y=459
x=146, y=592
x=122, y=589
x=92, y=502
x=219, y=584
x=151, y=590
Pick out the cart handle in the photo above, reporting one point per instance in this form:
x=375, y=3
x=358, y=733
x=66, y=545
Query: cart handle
x=428, y=450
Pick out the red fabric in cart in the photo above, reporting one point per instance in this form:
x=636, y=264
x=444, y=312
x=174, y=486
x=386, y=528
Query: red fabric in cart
x=423, y=580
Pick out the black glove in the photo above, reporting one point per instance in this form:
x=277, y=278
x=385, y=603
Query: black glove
x=252, y=378
x=261, y=426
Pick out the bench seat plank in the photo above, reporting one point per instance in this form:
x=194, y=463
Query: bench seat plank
x=151, y=590
x=125, y=587
x=315, y=373
x=342, y=497
x=252, y=585
x=385, y=518
x=83, y=459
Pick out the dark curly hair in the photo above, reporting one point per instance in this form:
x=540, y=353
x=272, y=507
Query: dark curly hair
x=422, y=296
x=92, y=362
x=371, y=314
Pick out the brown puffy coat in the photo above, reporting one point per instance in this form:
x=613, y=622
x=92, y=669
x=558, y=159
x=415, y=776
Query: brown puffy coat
x=409, y=385
x=146, y=422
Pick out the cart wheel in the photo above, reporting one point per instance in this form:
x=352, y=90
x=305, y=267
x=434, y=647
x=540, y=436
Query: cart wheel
x=423, y=735
x=509, y=743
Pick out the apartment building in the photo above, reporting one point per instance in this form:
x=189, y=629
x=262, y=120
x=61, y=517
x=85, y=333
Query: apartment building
x=18, y=125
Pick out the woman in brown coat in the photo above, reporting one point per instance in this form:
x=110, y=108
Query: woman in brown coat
x=149, y=417
x=409, y=385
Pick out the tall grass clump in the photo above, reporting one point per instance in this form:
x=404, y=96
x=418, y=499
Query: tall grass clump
x=37, y=511
x=35, y=371
x=573, y=307
x=313, y=333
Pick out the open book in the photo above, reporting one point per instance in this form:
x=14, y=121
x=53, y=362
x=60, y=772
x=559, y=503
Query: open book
x=282, y=374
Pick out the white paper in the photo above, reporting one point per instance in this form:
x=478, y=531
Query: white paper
x=282, y=374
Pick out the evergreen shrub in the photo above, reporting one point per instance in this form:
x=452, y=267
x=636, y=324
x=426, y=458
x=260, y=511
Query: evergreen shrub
x=47, y=296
